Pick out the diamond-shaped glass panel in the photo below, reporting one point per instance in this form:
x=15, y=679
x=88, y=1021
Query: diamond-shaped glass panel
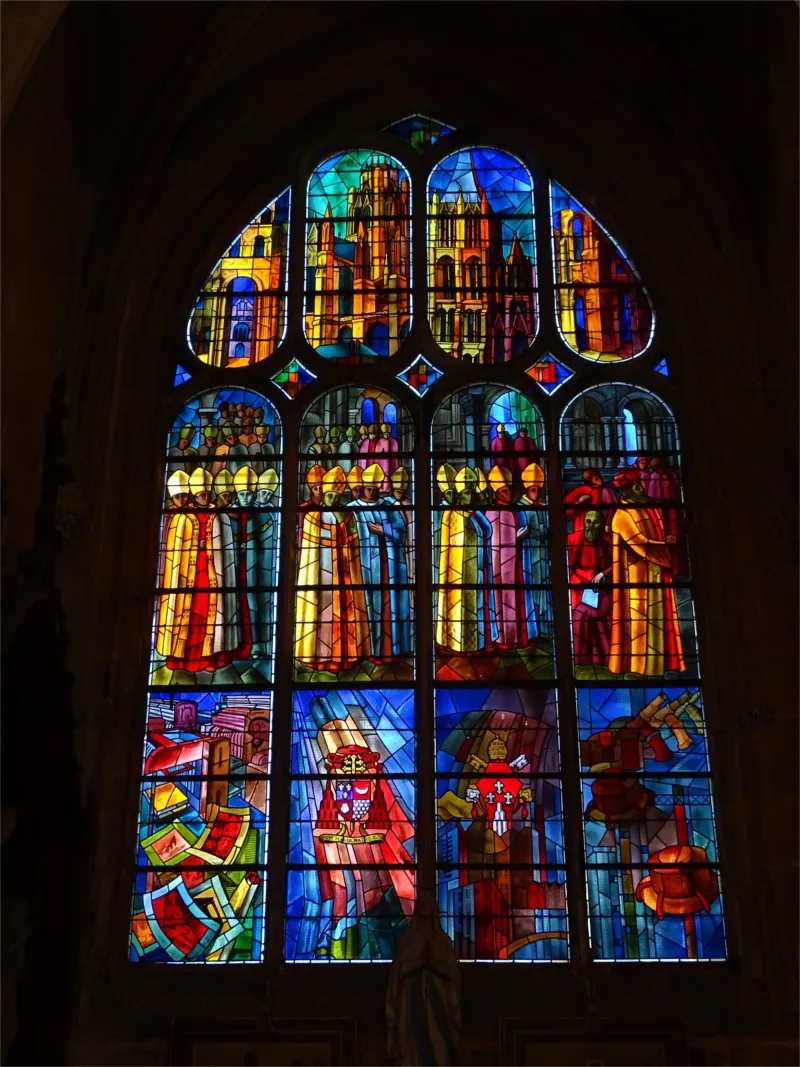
x=293, y=378
x=420, y=375
x=419, y=130
x=181, y=375
x=661, y=368
x=549, y=373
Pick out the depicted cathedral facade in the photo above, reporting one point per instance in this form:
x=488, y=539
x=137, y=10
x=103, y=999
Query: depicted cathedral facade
x=239, y=317
x=357, y=277
x=482, y=302
x=602, y=308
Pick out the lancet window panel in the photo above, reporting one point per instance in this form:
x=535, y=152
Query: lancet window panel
x=651, y=858
x=482, y=288
x=491, y=539
x=354, y=612
x=500, y=838
x=220, y=543
x=358, y=256
x=200, y=881
x=201, y=861
x=603, y=311
x=352, y=859
x=652, y=865
x=240, y=315
x=630, y=598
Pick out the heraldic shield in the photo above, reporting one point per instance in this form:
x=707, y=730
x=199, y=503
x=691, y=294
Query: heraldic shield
x=353, y=805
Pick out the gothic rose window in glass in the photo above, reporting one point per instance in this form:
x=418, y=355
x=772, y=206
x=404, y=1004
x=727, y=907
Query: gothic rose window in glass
x=399, y=595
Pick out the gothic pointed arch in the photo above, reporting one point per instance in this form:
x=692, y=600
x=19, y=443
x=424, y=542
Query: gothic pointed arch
x=453, y=595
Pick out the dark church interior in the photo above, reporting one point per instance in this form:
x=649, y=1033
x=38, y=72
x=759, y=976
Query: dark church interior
x=136, y=138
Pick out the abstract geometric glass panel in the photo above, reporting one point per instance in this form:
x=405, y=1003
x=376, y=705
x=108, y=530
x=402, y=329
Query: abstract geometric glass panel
x=293, y=378
x=358, y=256
x=351, y=862
x=603, y=310
x=200, y=881
x=500, y=839
x=355, y=535
x=420, y=375
x=240, y=316
x=491, y=541
x=549, y=373
x=481, y=256
x=661, y=368
x=419, y=131
x=652, y=874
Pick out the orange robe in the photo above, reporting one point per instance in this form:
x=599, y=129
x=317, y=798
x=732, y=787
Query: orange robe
x=645, y=634
x=332, y=631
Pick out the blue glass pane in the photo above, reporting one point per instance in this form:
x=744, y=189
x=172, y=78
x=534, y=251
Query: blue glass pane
x=181, y=376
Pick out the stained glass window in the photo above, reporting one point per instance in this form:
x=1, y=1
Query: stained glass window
x=358, y=256
x=604, y=312
x=652, y=876
x=240, y=315
x=481, y=256
x=202, y=847
x=400, y=598
x=419, y=131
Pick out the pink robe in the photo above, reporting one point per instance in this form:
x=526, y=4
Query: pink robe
x=502, y=443
x=664, y=488
x=509, y=604
x=528, y=452
x=388, y=447
x=366, y=451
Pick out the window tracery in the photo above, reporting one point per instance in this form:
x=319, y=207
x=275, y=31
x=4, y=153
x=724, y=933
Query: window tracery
x=411, y=576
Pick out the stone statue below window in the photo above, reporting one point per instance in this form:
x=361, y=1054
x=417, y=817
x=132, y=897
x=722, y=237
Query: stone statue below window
x=423, y=1001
